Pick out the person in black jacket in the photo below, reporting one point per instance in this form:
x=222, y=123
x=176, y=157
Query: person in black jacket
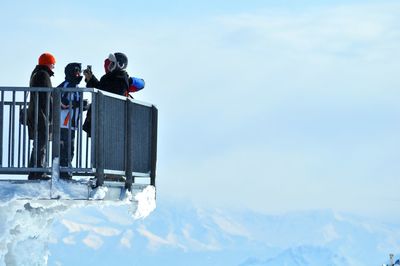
x=40, y=77
x=135, y=84
x=116, y=80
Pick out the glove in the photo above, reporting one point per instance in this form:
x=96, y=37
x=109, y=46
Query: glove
x=85, y=105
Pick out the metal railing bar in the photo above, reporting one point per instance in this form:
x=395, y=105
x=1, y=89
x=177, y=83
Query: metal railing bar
x=35, y=138
x=1, y=127
x=24, y=130
x=47, y=128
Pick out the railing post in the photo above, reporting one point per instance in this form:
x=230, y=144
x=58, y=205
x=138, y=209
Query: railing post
x=56, y=109
x=25, y=152
x=1, y=127
x=92, y=113
x=12, y=128
x=99, y=135
x=128, y=145
x=35, y=130
x=154, y=121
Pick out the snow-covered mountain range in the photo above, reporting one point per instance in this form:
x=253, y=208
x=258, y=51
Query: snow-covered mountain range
x=179, y=234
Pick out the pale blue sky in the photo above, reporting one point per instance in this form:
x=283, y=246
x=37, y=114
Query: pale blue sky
x=265, y=106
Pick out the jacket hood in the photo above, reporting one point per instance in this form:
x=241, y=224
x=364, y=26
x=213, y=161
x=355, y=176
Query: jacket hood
x=43, y=68
x=73, y=73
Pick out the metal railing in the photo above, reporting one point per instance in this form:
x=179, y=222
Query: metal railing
x=123, y=139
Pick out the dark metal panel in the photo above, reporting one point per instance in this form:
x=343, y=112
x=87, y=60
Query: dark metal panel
x=141, y=138
x=114, y=134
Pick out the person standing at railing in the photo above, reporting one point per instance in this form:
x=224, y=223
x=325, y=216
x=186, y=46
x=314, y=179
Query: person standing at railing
x=116, y=80
x=40, y=77
x=70, y=112
x=135, y=84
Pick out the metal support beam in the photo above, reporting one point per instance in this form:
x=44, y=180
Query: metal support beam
x=128, y=145
x=56, y=133
x=154, y=121
x=99, y=135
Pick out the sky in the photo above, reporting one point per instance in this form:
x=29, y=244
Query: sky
x=282, y=106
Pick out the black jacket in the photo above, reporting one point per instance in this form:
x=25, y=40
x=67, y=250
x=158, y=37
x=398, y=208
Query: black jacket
x=116, y=82
x=40, y=77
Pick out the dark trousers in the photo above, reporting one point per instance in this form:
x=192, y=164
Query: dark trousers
x=39, y=151
x=67, y=148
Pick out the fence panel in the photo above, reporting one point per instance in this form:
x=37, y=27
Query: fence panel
x=114, y=131
x=140, y=123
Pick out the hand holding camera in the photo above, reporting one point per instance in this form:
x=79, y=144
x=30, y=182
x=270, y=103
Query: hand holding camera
x=88, y=73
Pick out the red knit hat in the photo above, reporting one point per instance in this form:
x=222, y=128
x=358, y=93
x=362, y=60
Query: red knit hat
x=47, y=59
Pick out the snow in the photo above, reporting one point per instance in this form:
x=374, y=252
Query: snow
x=26, y=224
x=99, y=193
x=145, y=202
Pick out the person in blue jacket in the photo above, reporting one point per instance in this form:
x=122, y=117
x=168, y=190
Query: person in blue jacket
x=69, y=115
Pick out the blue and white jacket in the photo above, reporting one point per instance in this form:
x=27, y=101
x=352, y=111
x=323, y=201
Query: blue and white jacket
x=70, y=106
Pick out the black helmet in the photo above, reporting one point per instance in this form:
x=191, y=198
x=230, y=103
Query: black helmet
x=73, y=72
x=118, y=61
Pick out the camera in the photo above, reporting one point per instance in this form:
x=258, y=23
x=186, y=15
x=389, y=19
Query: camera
x=88, y=69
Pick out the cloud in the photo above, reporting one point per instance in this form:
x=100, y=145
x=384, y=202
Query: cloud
x=156, y=241
x=53, y=239
x=93, y=241
x=230, y=226
x=329, y=233
x=115, y=216
x=197, y=245
x=126, y=239
x=106, y=231
x=74, y=227
x=69, y=240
